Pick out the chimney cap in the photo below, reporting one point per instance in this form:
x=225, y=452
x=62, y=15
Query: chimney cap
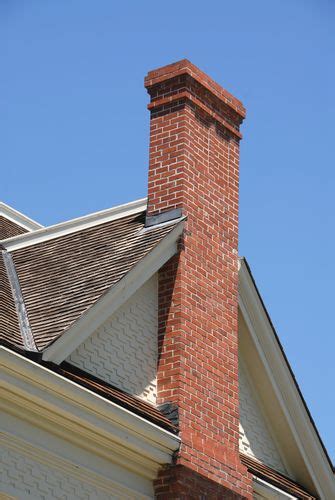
x=184, y=66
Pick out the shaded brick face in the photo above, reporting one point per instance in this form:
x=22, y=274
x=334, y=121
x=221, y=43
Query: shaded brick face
x=185, y=484
x=194, y=162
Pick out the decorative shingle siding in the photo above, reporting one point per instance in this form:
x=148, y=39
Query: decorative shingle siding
x=24, y=478
x=255, y=438
x=123, y=351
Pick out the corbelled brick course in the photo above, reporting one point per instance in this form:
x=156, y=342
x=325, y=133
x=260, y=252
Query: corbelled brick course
x=194, y=165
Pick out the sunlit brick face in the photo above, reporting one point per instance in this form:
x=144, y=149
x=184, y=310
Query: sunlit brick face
x=194, y=165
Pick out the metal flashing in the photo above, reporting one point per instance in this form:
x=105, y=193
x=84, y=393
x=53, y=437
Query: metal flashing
x=25, y=330
x=167, y=216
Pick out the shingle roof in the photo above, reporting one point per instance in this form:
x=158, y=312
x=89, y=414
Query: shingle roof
x=9, y=228
x=275, y=478
x=62, y=277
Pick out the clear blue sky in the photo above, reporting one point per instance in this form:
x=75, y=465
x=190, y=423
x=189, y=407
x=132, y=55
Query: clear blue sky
x=74, y=135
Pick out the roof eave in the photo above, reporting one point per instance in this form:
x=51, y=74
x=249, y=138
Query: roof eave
x=18, y=218
x=53, y=398
x=280, y=373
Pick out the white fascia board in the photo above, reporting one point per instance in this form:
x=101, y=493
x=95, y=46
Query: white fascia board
x=278, y=372
x=97, y=314
x=18, y=218
x=270, y=492
x=46, y=398
x=74, y=225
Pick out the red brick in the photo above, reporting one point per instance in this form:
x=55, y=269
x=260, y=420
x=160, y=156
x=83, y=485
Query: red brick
x=194, y=160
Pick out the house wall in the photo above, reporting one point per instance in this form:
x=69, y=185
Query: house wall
x=37, y=464
x=123, y=351
x=255, y=439
x=25, y=477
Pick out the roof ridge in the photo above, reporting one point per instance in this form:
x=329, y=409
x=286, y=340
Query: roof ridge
x=18, y=218
x=74, y=225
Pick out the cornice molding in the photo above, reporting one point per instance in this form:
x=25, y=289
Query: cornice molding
x=79, y=416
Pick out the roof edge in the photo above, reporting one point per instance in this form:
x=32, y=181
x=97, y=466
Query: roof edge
x=18, y=218
x=74, y=225
x=309, y=441
x=147, y=444
x=274, y=478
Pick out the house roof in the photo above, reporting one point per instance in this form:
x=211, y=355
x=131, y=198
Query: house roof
x=13, y=222
x=62, y=276
x=275, y=478
x=8, y=228
x=51, y=277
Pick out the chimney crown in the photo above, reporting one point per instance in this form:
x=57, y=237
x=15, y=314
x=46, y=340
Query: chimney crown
x=185, y=67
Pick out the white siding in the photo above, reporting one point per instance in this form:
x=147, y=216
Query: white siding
x=255, y=438
x=25, y=478
x=123, y=351
x=38, y=464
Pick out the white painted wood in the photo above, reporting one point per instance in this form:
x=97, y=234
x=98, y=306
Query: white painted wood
x=306, y=442
x=35, y=394
x=18, y=218
x=255, y=436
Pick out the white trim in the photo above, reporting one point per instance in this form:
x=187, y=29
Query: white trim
x=269, y=491
x=73, y=225
x=277, y=371
x=114, y=298
x=18, y=218
x=80, y=416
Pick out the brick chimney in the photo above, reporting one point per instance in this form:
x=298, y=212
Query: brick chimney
x=194, y=167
